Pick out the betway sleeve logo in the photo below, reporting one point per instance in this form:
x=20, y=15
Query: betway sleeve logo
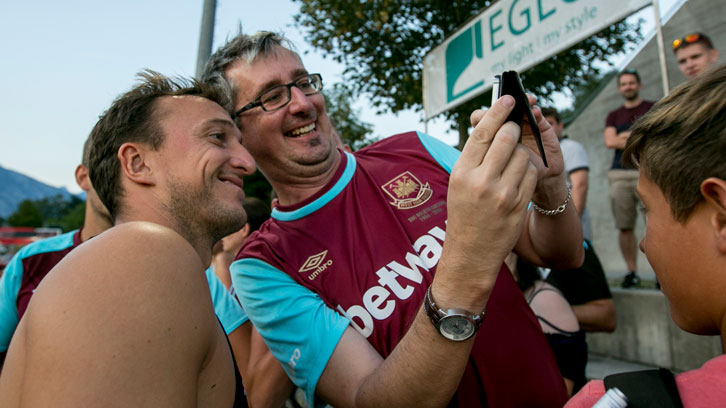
x=317, y=264
x=394, y=278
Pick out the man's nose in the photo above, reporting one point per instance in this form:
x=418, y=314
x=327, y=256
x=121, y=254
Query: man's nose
x=242, y=159
x=299, y=102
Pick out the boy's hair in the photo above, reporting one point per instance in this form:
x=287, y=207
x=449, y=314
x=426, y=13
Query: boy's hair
x=682, y=141
x=552, y=112
x=86, y=152
x=133, y=117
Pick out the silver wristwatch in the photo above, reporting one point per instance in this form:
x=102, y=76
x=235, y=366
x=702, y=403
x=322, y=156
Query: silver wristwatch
x=453, y=324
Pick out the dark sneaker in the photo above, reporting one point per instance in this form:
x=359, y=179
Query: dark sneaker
x=631, y=280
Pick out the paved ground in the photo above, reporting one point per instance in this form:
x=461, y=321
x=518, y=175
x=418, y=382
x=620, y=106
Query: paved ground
x=599, y=367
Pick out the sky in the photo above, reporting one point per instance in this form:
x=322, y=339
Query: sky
x=63, y=63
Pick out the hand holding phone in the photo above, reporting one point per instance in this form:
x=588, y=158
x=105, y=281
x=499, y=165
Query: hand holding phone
x=509, y=83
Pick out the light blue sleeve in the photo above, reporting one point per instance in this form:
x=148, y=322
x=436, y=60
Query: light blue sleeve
x=298, y=328
x=228, y=310
x=440, y=151
x=9, y=287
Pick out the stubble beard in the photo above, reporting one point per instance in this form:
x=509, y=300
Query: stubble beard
x=321, y=156
x=199, y=216
x=631, y=96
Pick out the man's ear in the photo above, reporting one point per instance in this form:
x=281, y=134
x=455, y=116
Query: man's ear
x=714, y=55
x=134, y=163
x=82, y=179
x=245, y=232
x=713, y=190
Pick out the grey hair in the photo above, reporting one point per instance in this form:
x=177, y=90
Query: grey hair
x=242, y=47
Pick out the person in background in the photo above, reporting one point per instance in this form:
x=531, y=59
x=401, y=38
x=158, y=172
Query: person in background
x=265, y=381
x=33, y=262
x=585, y=288
x=623, y=198
x=558, y=322
x=695, y=54
x=679, y=148
x=576, y=166
x=226, y=249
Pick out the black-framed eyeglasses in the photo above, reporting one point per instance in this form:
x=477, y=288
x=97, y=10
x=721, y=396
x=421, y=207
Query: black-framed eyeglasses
x=279, y=96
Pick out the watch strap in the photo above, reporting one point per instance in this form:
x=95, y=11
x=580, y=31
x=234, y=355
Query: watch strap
x=435, y=313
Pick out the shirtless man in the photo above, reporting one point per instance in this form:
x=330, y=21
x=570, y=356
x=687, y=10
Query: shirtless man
x=126, y=319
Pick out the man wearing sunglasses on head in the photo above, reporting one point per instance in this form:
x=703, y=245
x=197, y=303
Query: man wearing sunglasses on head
x=695, y=54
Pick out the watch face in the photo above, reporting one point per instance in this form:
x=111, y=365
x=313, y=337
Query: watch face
x=456, y=327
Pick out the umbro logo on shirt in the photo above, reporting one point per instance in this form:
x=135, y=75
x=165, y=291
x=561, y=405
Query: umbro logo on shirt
x=317, y=264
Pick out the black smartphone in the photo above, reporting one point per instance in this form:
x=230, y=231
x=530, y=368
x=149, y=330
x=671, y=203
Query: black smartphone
x=509, y=83
x=649, y=388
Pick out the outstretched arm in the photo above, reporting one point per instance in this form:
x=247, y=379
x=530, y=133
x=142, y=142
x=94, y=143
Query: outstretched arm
x=615, y=140
x=579, y=189
x=489, y=189
x=596, y=315
x=554, y=240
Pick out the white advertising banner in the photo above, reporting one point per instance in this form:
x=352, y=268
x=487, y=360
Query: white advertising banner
x=511, y=35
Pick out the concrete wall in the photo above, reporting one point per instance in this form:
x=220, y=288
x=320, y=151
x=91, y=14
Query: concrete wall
x=696, y=15
x=646, y=334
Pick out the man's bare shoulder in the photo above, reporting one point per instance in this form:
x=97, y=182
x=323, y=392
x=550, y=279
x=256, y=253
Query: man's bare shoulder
x=127, y=252
x=141, y=242
x=120, y=310
x=142, y=265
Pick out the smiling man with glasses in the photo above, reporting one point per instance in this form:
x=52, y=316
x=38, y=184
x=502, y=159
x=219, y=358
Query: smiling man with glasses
x=695, y=54
x=372, y=277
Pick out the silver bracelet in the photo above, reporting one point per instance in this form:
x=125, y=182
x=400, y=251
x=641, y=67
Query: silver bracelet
x=557, y=210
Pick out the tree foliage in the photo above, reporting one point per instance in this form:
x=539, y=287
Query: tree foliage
x=256, y=185
x=53, y=208
x=54, y=211
x=585, y=93
x=72, y=219
x=382, y=44
x=352, y=130
x=27, y=215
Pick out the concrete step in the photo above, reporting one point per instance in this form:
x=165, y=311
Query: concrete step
x=598, y=367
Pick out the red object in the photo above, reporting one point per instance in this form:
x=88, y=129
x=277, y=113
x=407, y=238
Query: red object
x=14, y=238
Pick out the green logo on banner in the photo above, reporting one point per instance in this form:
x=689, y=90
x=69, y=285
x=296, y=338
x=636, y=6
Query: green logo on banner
x=460, y=54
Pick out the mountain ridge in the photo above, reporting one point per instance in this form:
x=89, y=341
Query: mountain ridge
x=16, y=187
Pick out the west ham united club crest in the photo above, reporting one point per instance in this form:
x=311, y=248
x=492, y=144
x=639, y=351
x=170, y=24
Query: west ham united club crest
x=407, y=191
